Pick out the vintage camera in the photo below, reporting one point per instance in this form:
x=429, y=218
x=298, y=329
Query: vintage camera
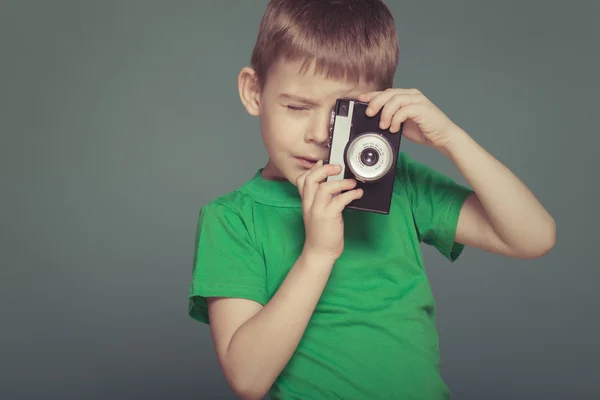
x=365, y=152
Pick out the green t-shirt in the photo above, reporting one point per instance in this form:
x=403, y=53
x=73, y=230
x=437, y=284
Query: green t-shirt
x=372, y=334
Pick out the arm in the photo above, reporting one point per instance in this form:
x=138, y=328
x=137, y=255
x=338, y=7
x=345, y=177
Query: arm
x=502, y=216
x=254, y=343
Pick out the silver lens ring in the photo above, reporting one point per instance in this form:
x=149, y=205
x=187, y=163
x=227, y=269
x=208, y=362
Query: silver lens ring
x=373, y=143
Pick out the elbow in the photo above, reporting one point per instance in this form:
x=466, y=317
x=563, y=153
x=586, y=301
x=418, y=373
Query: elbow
x=246, y=386
x=543, y=243
x=248, y=390
x=549, y=239
x=537, y=252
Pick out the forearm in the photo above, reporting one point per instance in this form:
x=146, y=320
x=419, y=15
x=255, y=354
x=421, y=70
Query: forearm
x=263, y=345
x=515, y=214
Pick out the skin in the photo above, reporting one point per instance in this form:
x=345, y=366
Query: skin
x=502, y=216
x=294, y=111
x=255, y=342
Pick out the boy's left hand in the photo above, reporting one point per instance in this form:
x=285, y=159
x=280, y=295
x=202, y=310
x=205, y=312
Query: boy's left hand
x=424, y=123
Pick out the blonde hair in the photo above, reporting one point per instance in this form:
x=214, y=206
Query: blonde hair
x=352, y=40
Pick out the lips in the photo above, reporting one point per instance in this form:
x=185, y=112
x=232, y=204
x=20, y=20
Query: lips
x=309, y=159
x=307, y=162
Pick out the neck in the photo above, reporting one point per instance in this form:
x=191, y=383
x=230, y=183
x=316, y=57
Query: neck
x=272, y=173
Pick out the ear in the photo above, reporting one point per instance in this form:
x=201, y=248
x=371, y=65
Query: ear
x=249, y=90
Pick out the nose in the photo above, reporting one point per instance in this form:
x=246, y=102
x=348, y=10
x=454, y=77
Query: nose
x=319, y=130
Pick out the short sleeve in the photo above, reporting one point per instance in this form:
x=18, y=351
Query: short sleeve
x=436, y=201
x=226, y=263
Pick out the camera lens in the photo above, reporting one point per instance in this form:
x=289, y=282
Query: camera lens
x=369, y=157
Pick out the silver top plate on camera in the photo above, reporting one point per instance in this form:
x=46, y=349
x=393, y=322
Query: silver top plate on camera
x=341, y=135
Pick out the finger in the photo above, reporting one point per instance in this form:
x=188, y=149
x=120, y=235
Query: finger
x=378, y=101
x=327, y=190
x=305, y=188
x=301, y=180
x=339, y=202
x=412, y=111
x=397, y=121
x=394, y=104
x=300, y=183
x=318, y=173
x=410, y=91
x=367, y=97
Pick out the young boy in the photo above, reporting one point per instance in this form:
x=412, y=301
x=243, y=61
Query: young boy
x=306, y=299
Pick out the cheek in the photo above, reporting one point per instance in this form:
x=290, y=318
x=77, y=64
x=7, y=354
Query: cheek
x=273, y=137
x=282, y=129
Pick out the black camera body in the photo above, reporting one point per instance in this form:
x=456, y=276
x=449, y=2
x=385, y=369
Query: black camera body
x=365, y=152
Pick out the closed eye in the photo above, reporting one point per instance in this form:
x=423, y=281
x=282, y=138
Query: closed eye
x=297, y=108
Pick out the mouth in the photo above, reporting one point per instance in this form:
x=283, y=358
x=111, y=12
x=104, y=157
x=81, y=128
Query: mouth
x=307, y=162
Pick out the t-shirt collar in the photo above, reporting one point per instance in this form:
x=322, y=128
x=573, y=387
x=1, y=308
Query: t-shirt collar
x=279, y=193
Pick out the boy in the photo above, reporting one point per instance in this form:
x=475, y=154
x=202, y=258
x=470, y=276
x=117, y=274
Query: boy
x=307, y=300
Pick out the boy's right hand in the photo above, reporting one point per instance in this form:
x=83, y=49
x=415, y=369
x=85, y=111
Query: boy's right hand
x=322, y=210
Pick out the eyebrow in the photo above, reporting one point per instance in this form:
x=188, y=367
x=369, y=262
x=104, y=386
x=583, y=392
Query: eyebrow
x=300, y=99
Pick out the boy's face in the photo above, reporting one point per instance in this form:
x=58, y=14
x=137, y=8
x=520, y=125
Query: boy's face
x=295, y=112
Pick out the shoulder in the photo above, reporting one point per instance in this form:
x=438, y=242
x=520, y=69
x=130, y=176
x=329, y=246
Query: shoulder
x=410, y=174
x=231, y=216
x=237, y=202
x=416, y=175
x=232, y=208
x=409, y=168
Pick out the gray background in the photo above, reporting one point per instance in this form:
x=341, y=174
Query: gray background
x=120, y=119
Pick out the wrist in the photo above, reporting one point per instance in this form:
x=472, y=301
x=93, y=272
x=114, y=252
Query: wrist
x=457, y=138
x=314, y=260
